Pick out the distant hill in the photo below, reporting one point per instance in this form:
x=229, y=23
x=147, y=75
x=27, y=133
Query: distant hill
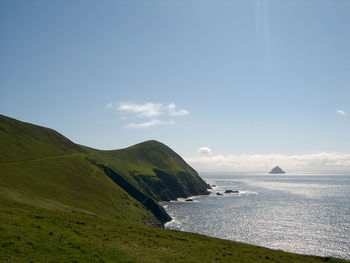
x=40, y=166
x=277, y=170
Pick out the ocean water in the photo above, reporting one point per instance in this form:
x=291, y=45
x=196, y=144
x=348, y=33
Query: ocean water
x=301, y=213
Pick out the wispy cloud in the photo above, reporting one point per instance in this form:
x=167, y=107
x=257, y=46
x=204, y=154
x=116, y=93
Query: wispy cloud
x=171, y=109
x=141, y=110
x=109, y=105
x=148, y=110
x=264, y=162
x=149, y=124
x=341, y=112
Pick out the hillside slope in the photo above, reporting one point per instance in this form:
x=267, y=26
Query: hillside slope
x=159, y=171
x=52, y=172
x=40, y=166
x=20, y=141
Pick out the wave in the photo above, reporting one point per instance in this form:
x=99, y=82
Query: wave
x=174, y=224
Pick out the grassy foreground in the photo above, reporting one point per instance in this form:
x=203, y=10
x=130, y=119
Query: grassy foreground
x=32, y=234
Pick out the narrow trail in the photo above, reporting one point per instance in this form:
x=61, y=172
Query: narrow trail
x=43, y=159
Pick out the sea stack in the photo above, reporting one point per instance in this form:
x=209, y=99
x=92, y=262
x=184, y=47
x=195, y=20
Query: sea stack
x=277, y=170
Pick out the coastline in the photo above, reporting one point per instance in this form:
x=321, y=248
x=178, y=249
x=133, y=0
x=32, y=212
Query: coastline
x=190, y=219
x=117, y=241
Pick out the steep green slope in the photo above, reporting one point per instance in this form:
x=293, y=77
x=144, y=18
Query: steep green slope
x=21, y=141
x=156, y=169
x=51, y=171
x=70, y=183
x=32, y=234
x=41, y=166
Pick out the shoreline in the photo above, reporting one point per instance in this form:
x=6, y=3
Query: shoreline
x=182, y=224
x=41, y=235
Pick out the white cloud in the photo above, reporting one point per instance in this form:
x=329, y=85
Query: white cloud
x=341, y=112
x=142, y=110
x=264, y=162
x=204, y=151
x=148, y=110
x=171, y=108
x=149, y=124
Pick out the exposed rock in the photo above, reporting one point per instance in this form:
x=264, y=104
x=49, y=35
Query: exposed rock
x=189, y=200
x=231, y=192
x=218, y=193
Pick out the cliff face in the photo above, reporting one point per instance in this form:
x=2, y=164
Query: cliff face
x=147, y=201
x=170, y=186
x=156, y=170
x=169, y=176
x=41, y=167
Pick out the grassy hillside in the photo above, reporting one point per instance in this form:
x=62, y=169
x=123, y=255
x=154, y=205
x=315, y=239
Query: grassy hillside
x=32, y=234
x=50, y=171
x=156, y=169
x=69, y=183
x=21, y=141
x=40, y=166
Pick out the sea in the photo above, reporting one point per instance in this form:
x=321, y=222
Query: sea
x=305, y=213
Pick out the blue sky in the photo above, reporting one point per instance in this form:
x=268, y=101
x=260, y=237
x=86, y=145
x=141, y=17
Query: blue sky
x=243, y=78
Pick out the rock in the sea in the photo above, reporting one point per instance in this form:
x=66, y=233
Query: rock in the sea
x=231, y=192
x=218, y=193
x=189, y=200
x=277, y=170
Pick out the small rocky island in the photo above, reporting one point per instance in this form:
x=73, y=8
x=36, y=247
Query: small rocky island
x=231, y=192
x=277, y=170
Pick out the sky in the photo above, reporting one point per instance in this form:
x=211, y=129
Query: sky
x=230, y=85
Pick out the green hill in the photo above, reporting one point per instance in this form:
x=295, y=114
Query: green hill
x=62, y=202
x=156, y=169
x=24, y=141
x=52, y=172
x=40, y=166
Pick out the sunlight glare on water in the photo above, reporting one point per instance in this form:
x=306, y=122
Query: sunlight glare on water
x=307, y=214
